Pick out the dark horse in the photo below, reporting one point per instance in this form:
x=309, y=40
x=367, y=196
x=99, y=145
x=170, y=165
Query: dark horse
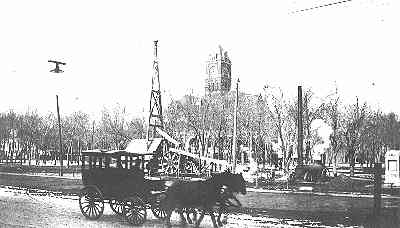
x=223, y=203
x=200, y=194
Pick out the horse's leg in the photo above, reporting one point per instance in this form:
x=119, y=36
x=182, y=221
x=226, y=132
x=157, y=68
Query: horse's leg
x=187, y=211
x=168, y=218
x=183, y=220
x=225, y=219
x=220, y=210
x=201, y=218
x=211, y=212
x=194, y=212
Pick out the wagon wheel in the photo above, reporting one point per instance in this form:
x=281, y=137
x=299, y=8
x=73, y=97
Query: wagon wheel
x=134, y=210
x=91, y=202
x=191, y=167
x=172, y=166
x=156, y=206
x=117, y=206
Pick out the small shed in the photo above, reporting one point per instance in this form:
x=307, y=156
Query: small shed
x=392, y=167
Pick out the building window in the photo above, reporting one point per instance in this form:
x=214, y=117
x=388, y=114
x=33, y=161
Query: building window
x=392, y=165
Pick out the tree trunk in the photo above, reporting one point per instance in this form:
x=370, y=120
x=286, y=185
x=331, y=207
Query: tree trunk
x=30, y=155
x=334, y=166
x=2, y=150
x=9, y=156
x=68, y=155
x=55, y=158
x=264, y=154
x=79, y=152
x=37, y=157
x=21, y=153
x=352, y=163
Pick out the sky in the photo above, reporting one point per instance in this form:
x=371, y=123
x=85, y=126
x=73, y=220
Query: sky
x=108, y=48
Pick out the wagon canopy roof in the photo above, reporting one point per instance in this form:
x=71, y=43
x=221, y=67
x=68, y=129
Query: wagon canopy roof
x=98, y=152
x=139, y=146
x=136, y=147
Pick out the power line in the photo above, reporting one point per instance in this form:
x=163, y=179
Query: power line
x=321, y=6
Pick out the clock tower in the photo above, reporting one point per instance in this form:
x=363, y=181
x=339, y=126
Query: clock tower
x=218, y=70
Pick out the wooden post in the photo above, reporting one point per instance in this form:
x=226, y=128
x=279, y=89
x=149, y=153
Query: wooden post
x=59, y=134
x=378, y=188
x=299, y=125
x=234, y=146
x=79, y=151
x=91, y=145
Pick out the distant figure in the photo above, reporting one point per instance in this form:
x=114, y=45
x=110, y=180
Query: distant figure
x=119, y=163
x=152, y=166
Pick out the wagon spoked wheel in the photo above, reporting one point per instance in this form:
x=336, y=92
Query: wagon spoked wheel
x=191, y=167
x=172, y=160
x=117, y=206
x=156, y=207
x=91, y=203
x=134, y=210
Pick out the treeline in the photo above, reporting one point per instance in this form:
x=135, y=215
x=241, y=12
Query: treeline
x=359, y=133
x=31, y=136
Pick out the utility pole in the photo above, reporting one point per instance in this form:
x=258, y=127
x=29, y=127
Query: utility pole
x=91, y=145
x=299, y=125
x=234, y=146
x=58, y=70
x=378, y=188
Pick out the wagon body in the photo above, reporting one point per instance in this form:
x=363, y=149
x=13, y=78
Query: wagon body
x=118, y=178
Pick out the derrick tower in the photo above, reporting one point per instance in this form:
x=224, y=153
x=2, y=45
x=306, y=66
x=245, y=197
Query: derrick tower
x=155, y=117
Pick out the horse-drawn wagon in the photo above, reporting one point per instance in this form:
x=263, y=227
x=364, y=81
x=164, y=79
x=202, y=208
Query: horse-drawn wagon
x=117, y=178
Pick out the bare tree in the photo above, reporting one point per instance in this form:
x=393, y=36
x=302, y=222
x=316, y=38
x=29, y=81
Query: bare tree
x=284, y=126
x=333, y=117
x=114, y=124
x=352, y=131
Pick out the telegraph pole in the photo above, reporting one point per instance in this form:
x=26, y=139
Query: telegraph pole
x=59, y=137
x=58, y=70
x=91, y=146
x=234, y=146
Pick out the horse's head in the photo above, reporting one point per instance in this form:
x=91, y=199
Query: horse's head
x=240, y=183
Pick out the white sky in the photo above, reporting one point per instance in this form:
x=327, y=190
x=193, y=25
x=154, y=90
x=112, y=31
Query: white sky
x=108, y=48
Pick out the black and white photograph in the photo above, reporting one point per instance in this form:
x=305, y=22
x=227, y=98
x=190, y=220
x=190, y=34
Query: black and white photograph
x=224, y=113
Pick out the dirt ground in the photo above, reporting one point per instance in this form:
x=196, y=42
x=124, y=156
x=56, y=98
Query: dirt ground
x=305, y=209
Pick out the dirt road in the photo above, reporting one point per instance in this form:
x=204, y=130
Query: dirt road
x=21, y=208
x=26, y=207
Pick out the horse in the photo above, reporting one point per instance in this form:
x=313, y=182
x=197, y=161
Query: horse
x=222, y=204
x=224, y=201
x=200, y=194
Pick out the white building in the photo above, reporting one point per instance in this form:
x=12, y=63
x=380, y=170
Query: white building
x=392, y=167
